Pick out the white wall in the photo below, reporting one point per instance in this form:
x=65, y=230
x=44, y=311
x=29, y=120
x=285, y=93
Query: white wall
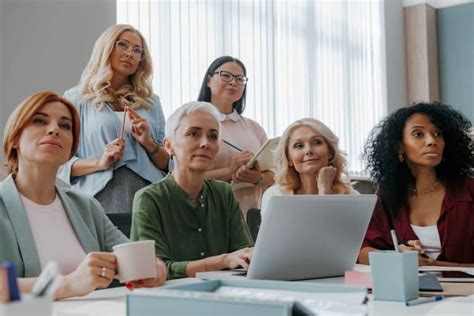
x=46, y=44
x=395, y=55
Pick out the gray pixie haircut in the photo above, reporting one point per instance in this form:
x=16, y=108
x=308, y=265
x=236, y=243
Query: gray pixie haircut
x=195, y=106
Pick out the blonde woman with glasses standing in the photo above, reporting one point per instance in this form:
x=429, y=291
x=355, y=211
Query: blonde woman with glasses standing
x=123, y=122
x=224, y=85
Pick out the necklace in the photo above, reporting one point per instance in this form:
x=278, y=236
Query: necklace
x=427, y=191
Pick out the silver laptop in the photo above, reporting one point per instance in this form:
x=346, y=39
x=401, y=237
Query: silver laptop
x=308, y=237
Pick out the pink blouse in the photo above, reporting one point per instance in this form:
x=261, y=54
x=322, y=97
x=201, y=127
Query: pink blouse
x=247, y=135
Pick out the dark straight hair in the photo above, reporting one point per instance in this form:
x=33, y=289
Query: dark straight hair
x=205, y=92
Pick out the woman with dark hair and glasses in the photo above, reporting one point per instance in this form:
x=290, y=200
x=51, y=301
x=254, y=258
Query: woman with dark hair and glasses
x=224, y=85
x=421, y=159
x=117, y=157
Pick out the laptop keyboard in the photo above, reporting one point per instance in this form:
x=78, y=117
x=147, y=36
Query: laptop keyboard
x=240, y=273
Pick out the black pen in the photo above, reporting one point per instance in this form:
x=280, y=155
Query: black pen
x=232, y=145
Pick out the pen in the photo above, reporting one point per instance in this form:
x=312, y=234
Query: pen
x=422, y=300
x=424, y=255
x=232, y=145
x=394, y=240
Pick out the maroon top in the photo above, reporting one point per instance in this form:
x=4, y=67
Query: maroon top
x=455, y=226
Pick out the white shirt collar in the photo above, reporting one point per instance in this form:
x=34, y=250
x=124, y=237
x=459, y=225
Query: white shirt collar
x=234, y=116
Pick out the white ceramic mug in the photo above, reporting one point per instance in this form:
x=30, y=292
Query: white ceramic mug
x=136, y=260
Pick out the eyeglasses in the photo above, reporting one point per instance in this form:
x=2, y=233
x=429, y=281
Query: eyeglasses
x=227, y=77
x=137, y=51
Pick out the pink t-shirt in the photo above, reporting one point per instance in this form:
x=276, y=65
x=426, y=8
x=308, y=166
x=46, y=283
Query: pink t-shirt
x=54, y=235
x=247, y=135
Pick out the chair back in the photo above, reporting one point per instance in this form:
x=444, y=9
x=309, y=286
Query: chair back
x=123, y=221
x=254, y=218
x=363, y=186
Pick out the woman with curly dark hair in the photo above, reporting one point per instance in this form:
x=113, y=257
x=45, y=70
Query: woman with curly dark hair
x=421, y=158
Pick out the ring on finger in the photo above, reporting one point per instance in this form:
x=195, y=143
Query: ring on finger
x=102, y=273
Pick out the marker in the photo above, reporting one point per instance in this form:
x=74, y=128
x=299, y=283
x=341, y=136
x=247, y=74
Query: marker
x=394, y=240
x=232, y=145
x=45, y=279
x=423, y=300
x=11, y=279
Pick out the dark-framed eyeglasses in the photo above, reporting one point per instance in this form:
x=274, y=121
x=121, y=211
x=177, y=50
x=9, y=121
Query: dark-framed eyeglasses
x=228, y=77
x=137, y=51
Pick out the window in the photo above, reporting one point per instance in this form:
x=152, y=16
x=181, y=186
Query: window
x=322, y=59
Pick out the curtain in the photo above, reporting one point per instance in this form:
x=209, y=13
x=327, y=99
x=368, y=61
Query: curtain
x=322, y=59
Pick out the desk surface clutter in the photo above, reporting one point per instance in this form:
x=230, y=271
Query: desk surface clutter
x=113, y=301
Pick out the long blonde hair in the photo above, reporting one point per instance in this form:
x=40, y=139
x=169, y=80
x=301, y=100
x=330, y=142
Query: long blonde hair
x=288, y=178
x=95, y=80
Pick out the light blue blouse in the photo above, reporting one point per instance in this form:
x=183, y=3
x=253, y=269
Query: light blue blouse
x=98, y=128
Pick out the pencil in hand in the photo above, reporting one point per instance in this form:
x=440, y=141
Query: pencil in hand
x=122, y=130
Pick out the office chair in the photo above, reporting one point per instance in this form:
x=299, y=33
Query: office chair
x=123, y=221
x=363, y=186
x=254, y=218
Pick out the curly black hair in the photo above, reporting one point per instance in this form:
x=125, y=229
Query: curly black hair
x=394, y=178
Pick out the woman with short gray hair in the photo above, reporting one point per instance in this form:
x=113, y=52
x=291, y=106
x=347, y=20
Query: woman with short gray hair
x=196, y=222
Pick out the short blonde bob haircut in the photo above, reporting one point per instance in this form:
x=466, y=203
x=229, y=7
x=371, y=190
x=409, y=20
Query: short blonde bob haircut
x=22, y=115
x=288, y=178
x=96, y=77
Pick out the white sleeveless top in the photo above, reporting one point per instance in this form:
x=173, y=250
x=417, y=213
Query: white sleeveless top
x=429, y=238
x=54, y=235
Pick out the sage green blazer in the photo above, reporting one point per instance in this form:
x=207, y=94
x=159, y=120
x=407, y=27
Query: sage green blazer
x=93, y=228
